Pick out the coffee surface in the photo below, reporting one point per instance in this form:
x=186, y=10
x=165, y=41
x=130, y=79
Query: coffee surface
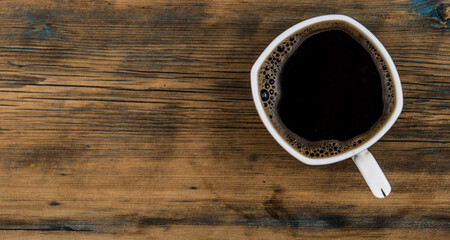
x=330, y=88
x=326, y=89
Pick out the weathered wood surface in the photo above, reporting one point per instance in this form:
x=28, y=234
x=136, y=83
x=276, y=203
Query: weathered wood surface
x=134, y=119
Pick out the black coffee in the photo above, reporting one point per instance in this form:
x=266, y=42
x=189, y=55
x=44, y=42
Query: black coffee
x=331, y=88
x=326, y=89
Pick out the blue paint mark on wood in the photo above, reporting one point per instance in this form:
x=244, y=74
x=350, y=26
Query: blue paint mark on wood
x=432, y=9
x=425, y=7
x=46, y=29
x=186, y=60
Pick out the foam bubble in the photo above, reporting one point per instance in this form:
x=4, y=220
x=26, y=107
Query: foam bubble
x=264, y=95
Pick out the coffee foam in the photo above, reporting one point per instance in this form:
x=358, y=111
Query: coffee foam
x=269, y=91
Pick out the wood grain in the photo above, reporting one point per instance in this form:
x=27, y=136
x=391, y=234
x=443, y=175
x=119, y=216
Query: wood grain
x=134, y=120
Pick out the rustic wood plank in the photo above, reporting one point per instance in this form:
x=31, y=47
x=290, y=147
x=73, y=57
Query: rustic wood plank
x=134, y=119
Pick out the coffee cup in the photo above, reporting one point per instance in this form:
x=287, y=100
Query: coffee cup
x=305, y=134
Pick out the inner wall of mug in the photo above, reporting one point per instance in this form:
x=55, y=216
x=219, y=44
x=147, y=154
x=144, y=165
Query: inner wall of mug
x=271, y=68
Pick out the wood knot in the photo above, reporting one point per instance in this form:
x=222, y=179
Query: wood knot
x=443, y=12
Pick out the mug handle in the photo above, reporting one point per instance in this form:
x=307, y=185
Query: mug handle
x=372, y=173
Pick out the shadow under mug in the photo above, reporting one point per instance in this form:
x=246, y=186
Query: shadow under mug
x=363, y=159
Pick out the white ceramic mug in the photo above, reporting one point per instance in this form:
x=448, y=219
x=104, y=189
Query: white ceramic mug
x=363, y=159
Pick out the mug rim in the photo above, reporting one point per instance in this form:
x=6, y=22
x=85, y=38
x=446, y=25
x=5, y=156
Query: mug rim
x=382, y=51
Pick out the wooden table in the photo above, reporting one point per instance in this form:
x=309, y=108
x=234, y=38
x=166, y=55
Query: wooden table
x=134, y=120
